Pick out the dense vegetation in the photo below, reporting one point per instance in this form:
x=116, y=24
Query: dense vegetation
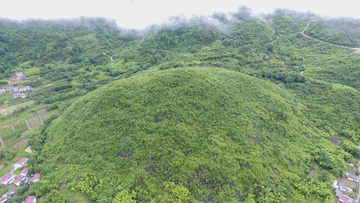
x=197, y=111
x=343, y=31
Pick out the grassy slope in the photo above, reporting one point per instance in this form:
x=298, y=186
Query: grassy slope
x=219, y=127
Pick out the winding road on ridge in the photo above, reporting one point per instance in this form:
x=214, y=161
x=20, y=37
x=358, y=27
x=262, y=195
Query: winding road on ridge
x=357, y=50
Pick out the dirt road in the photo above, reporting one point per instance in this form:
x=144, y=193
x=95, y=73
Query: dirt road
x=274, y=40
x=357, y=50
x=5, y=102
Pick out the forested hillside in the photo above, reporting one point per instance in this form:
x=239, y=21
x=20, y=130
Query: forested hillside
x=343, y=31
x=213, y=109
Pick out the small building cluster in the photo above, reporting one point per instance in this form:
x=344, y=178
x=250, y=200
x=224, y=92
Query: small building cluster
x=20, y=74
x=11, y=89
x=16, y=179
x=19, y=92
x=17, y=76
x=19, y=95
x=352, y=177
x=6, y=197
x=339, y=189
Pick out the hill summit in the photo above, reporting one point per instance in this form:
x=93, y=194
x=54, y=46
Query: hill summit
x=186, y=134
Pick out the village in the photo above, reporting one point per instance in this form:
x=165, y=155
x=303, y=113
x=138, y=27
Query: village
x=344, y=187
x=19, y=93
x=342, y=191
x=12, y=178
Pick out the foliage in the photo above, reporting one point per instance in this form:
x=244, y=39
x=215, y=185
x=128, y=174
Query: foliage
x=6, y=153
x=90, y=185
x=342, y=31
x=248, y=108
x=32, y=71
x=125, y=197
x=235, y=109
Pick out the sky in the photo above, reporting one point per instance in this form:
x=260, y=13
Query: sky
x=138, y=14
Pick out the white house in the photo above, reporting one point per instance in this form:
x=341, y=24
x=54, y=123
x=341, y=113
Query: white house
x=20, y=74
x=3, y=198
x=7, y=179
x=20, y=163
x=342, y=186
x=24, y=172
x=25, y=88
x=36, y=177
x=18, y=179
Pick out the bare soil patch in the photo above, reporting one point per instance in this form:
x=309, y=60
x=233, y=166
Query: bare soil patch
x=47, y=86
x=41, y=111
x=9, y=110
x=12, y=187
x=312, y=174
x=17, y=81
x=63, y=186
x=347, y=182
x=28, y=149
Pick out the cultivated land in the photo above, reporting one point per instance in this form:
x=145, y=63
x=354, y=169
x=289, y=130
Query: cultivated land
x=9, y=110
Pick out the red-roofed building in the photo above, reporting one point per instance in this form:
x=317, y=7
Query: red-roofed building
x=2, y=90
x=24, y=172
x=36, y=177
x=18, y=179
x=344, y=199
x=7, y=179
x=30, y=199
x=20, y=163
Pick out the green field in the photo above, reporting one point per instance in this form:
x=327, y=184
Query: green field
x=17, y=101
x=7, y=169
x=35, y=121
x=9, y=133
x=350, y=169
x=22, y=153
x=2, y=173
x=4, y=190
x=13, y=141
x=4, y=97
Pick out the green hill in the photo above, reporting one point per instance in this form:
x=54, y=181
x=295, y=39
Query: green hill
x=216, y=134
x=212, y=109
